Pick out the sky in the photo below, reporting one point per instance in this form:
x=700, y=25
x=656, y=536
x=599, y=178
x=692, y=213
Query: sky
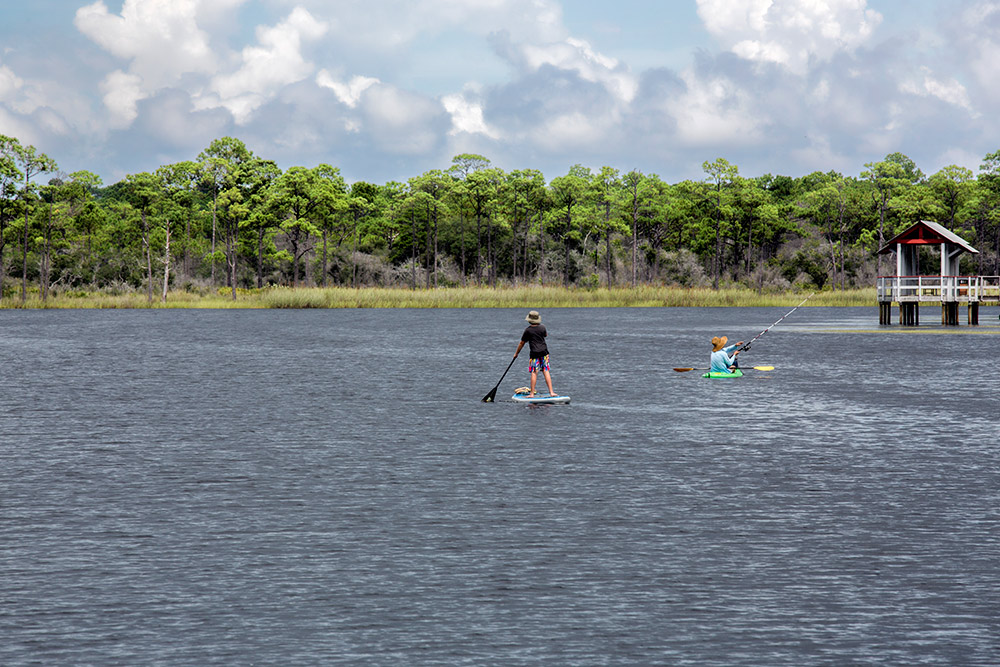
x=389, y=89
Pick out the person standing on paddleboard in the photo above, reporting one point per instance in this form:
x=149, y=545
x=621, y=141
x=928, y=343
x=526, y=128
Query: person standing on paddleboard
x=723, y=356
x=534, y=335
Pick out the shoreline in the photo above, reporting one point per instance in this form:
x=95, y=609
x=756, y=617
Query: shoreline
x=450, y=297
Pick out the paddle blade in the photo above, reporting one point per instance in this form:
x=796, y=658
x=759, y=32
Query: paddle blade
x=488, y=398
x=763, y=368
x=685, y=370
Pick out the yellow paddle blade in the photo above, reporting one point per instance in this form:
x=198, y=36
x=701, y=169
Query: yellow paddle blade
x=763, y=368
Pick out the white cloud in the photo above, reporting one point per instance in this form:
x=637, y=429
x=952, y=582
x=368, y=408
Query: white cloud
x=789, y=32
x=9, y=82
x=47, y=105
x=577, y=56
x=947, y=90
x=955, y=156
x=467, y=116
x=570, y=130
x=818, y=155
x=348, y=93
x=393, y=25
x=399, y=121
x=15, y=126
x=821, y=92
x=122, y=93
x=276, y=62
x=715, y=112
x=146, y=32
x=160, y=39
x=974, y=38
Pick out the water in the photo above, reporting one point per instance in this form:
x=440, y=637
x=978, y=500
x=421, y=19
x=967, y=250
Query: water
x=325, y=487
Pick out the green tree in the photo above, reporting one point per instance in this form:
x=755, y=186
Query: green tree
x=300, y=197
x=177, y=182
x=363, y=202
x=759, y=222
x=633, y=185
x=667, y=221
x=246, y=213
x=333, y=202
x=50, y=194
x=887, y=178
x=385, y=226
x=472, y=193
x=607, y=190
x=525, y=197
x=494, y=184
x=411, y=209
x=30, y=163
x=86, y=214
x=911, y=174
x=10, y=177
x=257, y=216
x=143, y=193
x=432, y=190
x=952, y=188
x=219, y=163
x=986, y=206
x=820, y=205
x=722, y=178
x=569, y=211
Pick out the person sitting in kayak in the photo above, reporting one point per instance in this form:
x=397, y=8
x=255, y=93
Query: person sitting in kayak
x=534, y=335
x=723, y=356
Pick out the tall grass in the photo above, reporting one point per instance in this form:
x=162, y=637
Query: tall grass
x=548, y=297
x=458, y=297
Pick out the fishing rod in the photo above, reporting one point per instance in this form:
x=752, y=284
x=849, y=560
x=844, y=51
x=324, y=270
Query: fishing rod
x=747, y=345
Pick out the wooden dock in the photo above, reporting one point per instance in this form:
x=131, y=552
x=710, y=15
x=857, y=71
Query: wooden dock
x=950, y=292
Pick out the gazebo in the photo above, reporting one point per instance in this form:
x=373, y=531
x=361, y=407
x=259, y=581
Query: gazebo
x=909, y=287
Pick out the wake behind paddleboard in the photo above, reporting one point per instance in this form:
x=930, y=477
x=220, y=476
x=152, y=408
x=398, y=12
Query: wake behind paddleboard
x=540, y=399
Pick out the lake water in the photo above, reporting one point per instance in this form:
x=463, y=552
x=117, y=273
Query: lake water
x=315, y=487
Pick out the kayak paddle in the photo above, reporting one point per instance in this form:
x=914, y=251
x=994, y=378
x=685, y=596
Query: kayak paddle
x=488, y=398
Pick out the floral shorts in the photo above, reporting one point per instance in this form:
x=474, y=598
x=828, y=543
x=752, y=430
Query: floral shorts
x=539, y=364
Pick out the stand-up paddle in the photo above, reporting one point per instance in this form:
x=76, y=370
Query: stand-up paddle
x=488, y=398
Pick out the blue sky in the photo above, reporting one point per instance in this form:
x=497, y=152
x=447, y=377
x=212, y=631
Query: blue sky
x=388, y=89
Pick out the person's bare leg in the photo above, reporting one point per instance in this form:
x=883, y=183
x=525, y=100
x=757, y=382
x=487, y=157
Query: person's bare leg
x=534, y=379
x=548, y=381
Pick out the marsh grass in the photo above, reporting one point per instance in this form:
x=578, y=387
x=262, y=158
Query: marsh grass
x=458, y=297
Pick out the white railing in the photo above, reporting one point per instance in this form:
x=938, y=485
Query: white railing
x=989, y=288
x=937, y=288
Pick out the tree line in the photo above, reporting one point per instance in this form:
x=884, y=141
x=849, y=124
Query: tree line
x=233, y=220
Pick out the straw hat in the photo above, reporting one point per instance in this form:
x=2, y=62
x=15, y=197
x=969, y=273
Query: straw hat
x=534, y=318
x=718, y=343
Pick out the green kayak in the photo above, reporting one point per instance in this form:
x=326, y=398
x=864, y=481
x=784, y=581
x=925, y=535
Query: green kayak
x=715, y=374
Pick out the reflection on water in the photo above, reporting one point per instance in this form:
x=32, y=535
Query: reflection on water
x=317, y=487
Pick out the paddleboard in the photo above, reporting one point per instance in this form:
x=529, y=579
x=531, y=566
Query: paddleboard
x=716, y=374
x=540, y=398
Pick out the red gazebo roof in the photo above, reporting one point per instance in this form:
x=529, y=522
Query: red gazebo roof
x=926, y=233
